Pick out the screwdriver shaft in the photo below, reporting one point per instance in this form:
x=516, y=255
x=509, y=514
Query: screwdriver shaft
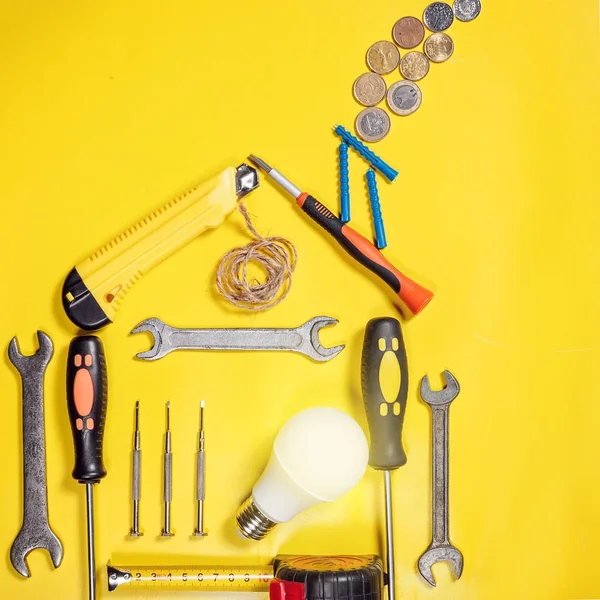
x=200, y=484
x=168, y=476
x=136, y=475
x=389, y=536
x=90, y=535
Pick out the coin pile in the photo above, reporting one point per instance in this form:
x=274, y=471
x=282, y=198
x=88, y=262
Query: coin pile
x=404, y=97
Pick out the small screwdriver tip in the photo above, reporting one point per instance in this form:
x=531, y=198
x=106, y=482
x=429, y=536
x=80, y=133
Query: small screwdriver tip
x=137, y=404
x=260, y=163
x=168, y=404
x=201, y=403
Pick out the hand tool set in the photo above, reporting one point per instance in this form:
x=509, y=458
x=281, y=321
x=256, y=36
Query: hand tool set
x=319, y=454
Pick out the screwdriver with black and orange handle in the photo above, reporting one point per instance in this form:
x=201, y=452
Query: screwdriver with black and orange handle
x=385, y=405
x=86, y=403
x=414, y=296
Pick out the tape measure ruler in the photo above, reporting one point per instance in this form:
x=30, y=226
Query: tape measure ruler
x=290, y=576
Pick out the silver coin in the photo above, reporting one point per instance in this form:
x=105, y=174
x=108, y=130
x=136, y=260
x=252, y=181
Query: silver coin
x=372, y=124
x=467, y=10
x=404, y=97
x=438, y=16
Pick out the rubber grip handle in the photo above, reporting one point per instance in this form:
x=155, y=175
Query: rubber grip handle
x=385, y=413
x=414, y=296
x=86, y=403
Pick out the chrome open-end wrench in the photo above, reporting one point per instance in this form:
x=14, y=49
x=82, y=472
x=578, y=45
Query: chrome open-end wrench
x=35, y=531
x=440, y=548
x=303, y=339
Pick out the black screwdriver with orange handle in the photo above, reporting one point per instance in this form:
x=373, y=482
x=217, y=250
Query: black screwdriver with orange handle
x=413, y=295
x=86, y=403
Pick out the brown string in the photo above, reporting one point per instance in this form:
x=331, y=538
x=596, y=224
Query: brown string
x=277, y=255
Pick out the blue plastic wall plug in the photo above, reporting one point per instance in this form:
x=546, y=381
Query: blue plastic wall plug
x=376, y=210
x=369, y=155
x=344, y=183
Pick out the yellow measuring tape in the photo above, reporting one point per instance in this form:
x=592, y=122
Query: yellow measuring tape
x=193, y=578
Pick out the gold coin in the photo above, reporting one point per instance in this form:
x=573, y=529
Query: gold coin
x=369, y=89
x=414, y=66
x=372, y=124
x=383, y=57
x=439, y=47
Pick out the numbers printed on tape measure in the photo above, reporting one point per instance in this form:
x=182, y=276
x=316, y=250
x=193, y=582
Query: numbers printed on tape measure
x=251, y=579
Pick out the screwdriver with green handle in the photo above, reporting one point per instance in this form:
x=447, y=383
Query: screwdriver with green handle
x=385, y=412
x=86, y=403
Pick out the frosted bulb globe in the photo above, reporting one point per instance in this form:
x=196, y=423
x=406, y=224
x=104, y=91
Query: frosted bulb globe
x=318, y=455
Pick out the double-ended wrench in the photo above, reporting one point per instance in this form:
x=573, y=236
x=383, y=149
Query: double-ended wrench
x=303, y=339
x=440, y=548
x=35, y=531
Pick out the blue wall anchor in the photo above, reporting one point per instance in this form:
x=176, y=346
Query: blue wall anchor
x=344, y=183
x=367, y=154
x=376, y=210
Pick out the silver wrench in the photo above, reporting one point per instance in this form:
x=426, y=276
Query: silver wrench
x=303, y=339
x=35, y=530
x=440, y=548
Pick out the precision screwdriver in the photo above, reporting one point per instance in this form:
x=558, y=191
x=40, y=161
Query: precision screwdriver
x=385, y=411
x=414, y=296
x=136, y=475
x=168, y=476
x=86, y=403
x=200, y=484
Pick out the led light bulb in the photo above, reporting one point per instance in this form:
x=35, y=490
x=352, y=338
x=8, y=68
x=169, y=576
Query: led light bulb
x=318, y=455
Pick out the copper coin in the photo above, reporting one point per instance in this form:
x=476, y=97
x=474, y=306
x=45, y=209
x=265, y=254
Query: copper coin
x=414, y=66
x=408, y=32
x=439, y=47
x=369, y=89
x=404, y=97
x=383, y=57
x=372, y=124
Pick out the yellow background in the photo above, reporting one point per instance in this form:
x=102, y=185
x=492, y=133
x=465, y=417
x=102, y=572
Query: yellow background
x=109, y=109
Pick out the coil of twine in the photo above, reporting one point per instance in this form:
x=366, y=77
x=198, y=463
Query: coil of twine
x=276, y=255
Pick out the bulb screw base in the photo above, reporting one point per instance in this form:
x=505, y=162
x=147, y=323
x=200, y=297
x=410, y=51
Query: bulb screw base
x=251, y=522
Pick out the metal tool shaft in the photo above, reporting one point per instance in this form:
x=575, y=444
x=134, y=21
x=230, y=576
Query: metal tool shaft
x=136, y=475
x=276, y=176
x=168, y=476
x=200, y=473
x=89, y=495
x=389, y=535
